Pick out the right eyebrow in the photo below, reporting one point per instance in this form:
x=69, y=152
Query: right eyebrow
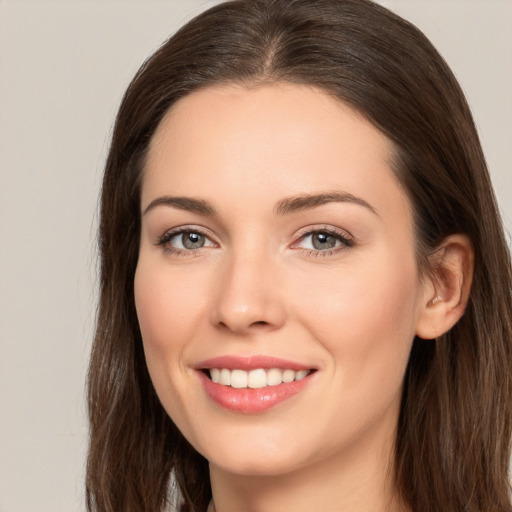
x=182, y=203
x=309, y=201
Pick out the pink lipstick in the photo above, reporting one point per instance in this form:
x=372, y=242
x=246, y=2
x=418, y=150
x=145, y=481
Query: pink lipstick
x=252, y=384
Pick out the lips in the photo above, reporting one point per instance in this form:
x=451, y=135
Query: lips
x=254, y=384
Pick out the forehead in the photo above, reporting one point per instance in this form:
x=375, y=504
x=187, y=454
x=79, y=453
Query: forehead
x=254, y=146
x=281, y=120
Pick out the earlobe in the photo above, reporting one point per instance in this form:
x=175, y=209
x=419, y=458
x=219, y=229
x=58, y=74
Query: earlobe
x=446, y=296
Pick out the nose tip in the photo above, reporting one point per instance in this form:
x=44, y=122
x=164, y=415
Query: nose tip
x=248, y=300
x=241, y=321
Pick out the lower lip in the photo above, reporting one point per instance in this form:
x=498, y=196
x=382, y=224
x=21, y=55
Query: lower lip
x=251, y=401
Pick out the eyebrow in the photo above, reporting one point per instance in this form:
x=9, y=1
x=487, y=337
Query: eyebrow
x=183, y=203
x=283, y=207
x=309, y=201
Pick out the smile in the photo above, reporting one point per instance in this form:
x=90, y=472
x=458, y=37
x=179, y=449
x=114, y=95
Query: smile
x=253, y=384
x=255, y=379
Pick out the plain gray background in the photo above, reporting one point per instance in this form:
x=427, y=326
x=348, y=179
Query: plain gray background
x=63, y=68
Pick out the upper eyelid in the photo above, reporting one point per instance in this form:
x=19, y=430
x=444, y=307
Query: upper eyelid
x=346, y=238
x=188, y=227
x=299, y=235
x=324, y=228
x=169, y=233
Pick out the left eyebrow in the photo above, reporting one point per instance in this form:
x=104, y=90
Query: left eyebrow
x=183, y=203
x=308, y=201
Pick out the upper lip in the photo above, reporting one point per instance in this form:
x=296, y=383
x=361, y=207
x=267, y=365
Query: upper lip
x=255, y=362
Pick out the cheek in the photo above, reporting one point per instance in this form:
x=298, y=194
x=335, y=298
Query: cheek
x=167, y=311
x=166, y=308
x=364, y=317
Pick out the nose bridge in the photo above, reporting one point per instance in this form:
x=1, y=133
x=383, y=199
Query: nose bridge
x=248, y=296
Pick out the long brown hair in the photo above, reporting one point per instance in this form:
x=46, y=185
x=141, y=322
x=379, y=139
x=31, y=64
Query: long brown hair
x=454, y=432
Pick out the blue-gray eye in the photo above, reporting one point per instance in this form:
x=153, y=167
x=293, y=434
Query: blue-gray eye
x=189, y=240
x=324, y=240
x=321, y=241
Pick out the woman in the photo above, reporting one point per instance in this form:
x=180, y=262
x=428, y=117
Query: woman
x=305, y=288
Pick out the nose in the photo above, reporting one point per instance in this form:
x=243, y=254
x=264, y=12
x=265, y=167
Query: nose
x=249, y=298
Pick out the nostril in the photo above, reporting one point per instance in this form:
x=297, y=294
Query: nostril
x=258, y=324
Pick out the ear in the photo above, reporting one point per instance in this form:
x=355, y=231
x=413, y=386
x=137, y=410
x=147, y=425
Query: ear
x=446, y=291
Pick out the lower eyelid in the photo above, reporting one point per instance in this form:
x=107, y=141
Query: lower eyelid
x=314, y=253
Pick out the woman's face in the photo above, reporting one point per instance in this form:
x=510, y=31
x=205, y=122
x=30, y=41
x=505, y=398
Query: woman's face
x=277, y=257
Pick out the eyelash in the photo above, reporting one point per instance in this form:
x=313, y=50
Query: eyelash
x=347, y=241
x=165, y=239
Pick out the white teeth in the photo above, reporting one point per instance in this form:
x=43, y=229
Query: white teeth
x=288, y=376
x=215, y=374
x=225, y=377
x=255, y=379
x=238, y=379
x=274, y=377
x=301, y=374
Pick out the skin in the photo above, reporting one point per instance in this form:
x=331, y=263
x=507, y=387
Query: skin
x=258, y=286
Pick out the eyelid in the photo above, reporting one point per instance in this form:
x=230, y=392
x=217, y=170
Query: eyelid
x=323, y=228
x=165, y=238
x=348, y=240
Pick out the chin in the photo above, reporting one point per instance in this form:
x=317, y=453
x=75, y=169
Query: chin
x=260, y=458
x=260, y=466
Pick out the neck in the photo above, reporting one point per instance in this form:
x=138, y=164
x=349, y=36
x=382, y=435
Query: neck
x=349, y=481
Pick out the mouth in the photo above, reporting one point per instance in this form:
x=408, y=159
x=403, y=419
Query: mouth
x=254, y=384
x=255, y=379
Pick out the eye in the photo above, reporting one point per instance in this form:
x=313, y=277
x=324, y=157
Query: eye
x=185, y=240
x=189, y=240
x=324, y=241
x=321, y=241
